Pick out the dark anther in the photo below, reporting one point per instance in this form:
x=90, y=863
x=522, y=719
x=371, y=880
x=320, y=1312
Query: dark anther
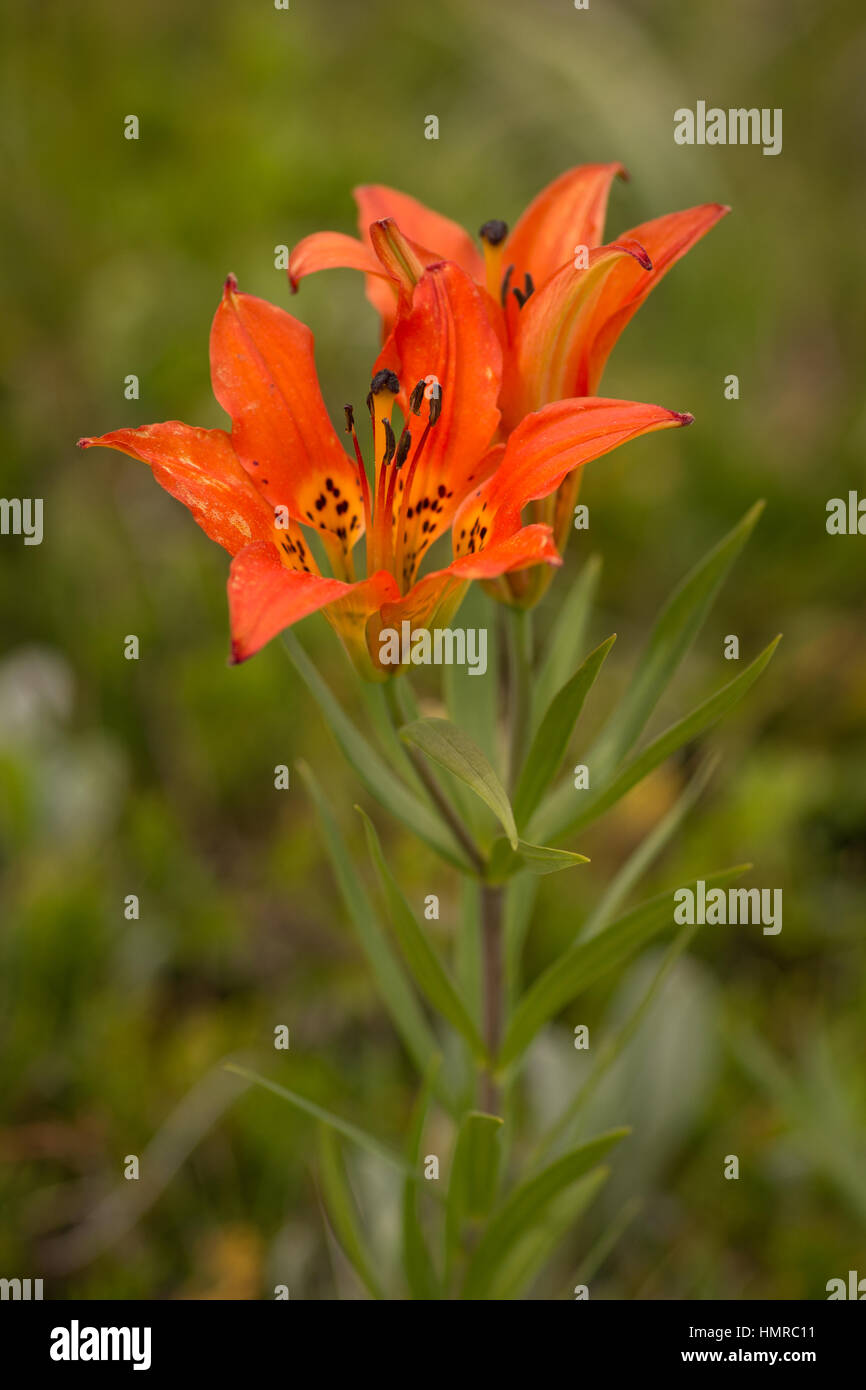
x=435, y=405
x=384, y=381
x=417, y=397
x=506, y=280
x=522, y=295
x=390, y=442
x=403, y=449
x=350, y=418
x=494, y=231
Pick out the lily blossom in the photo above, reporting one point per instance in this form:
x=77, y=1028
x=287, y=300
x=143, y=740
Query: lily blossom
x=282, y=474
x=558, y=297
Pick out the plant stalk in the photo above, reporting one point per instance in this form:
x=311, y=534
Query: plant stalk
x=492, y=900
x=519, y=688
x=433, y=789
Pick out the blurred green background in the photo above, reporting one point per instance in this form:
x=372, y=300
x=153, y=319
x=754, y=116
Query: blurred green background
x=156, y=777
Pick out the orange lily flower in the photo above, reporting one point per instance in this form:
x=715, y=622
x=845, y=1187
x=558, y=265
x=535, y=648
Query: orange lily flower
x=556, y=296
x=282, y=474
x=558, y=313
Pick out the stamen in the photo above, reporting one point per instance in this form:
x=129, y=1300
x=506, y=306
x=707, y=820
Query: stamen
x=505, y=283
x=404, y=444
x=529, y=288
x=435, y=405
x=384, y=390
x=362, y=470
x=400, y=548
x=493, y=236
x=390, y=443
x=417, y=397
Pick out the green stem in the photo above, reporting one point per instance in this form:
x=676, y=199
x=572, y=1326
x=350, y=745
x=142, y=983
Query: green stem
x=519, y=707
x=432, y=787
x=492, y=899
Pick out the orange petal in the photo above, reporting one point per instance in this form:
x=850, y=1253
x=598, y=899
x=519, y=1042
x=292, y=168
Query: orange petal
x=552, y=336
x=434, y=238
x=397, y=256
x=544, y=448
x=434, y=600
x=265, y=377
x=331, y=251
x=666, y=240
x=265, y=597
x=567, y=213
x=446, y=240
x=446, y=335
x=199, y=468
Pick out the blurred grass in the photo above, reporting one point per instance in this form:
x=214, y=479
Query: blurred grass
x=156, y=777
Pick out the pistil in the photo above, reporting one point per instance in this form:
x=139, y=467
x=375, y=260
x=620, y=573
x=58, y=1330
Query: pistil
x=493, y=235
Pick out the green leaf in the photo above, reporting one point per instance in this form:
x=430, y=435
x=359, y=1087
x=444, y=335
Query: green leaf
x=565, y=641
x=678, y=624
x=340, y=1206
x=394, y=987
x=612, y=1048
x=650, y=847
x=554, y=734
x=452, y=749
x=376, y=775
x=557, y=816
x=536, y=859
x=472, y=699
x=581, y=965
x=424, y=965
x=535, y=1247
x=474, y=1175
x=471, y=702
x=527, y=1206
x=379, y=720
x=468, y=965
x=520, y=896
x=418, y=1264
x=318, y=1112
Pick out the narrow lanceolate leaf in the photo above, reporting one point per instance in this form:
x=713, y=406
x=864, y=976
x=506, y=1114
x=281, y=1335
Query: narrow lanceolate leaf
x=581, y=965
x=318, y=1112
x=422, y=961
x=535, y=1247
x=471, y=697
x=342, y=1214
x=471, y=700
x=421, y=1276
x=504, y=861
x=374, y=772
x=649, y=849
x=527, y=1207
x=566, y=641
x=678, y=624
x=474, y=1175
x=554, y=734
x=565, y=810
x=448, y=746
x=394, y=987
